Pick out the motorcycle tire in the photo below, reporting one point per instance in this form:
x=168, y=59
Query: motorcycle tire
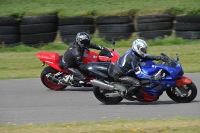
x=49, y=84
x=39, y=19
x=8, y=21
x=75, y=21
x=113, y=20
x=154, y=18
x=190, y=87
x=106, y=100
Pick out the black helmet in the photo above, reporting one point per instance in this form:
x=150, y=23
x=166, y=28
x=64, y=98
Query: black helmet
x=83, y=40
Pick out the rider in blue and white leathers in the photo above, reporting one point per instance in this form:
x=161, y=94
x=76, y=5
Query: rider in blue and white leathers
x=129, y=63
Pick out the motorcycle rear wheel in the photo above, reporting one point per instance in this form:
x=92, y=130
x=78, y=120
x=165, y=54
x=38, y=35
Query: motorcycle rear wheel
x=189, y=93
x=49, y=84
x=102, y=98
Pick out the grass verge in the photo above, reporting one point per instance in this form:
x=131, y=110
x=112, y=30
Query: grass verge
x=174, y=125
x=27, y=65
x=21, y=61
x=63, y=8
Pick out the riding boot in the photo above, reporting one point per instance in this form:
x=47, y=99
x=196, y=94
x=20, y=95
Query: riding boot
x=135, y=85
x=127, y=95
x=133, y=89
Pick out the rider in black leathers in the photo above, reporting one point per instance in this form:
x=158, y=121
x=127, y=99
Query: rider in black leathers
x=129, y=63
x=72, y=58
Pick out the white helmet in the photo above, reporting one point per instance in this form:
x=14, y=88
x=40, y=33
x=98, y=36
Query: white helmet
x=140, y=47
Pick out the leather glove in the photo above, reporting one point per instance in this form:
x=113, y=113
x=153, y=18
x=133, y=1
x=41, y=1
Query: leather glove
x=101, y=47
x=163, y=58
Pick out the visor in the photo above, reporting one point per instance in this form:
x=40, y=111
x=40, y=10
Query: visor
x=86, y=43
x=144, y=50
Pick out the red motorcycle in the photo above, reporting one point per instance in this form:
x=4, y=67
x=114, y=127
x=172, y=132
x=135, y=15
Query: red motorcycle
x=51, y=75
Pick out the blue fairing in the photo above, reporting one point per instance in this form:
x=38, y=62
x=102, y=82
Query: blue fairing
x=173, y=73
x=148, y=67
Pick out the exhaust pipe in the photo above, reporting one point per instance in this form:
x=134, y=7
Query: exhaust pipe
x=51, y=78
x=116, y=94
x=54, y=80
x=103, y=85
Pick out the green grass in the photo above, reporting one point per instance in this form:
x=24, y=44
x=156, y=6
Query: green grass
x=59, y=45
x=94, y=8
x=21, y=61
x=25, y=64
x=174, y=125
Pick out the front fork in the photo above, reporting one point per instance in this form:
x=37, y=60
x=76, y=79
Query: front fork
x=181, y=82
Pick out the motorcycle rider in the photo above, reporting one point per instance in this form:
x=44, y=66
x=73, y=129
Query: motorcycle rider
x=72, y=58
x=129, y=62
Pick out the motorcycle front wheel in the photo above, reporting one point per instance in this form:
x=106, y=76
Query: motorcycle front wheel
x=49, y=84
x=99, y=94
x=188, y=93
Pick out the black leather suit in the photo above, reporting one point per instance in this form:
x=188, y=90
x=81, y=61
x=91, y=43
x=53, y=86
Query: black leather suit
x=72, y=61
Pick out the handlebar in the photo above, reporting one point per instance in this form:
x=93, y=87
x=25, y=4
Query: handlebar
x=106, y=52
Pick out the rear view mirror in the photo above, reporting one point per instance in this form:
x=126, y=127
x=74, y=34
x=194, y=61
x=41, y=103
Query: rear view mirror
x=113, y=41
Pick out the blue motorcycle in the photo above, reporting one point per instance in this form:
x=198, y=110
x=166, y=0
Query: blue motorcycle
x=179, y=88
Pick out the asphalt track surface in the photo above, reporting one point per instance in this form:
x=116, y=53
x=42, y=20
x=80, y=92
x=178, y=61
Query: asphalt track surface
x=25, y=101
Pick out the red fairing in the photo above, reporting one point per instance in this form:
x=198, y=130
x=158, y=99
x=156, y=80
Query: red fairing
x=183, y=81
x=48, y=56
x=51, y=59
x=147, y=97
x=90, y=56
x=112, y=59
